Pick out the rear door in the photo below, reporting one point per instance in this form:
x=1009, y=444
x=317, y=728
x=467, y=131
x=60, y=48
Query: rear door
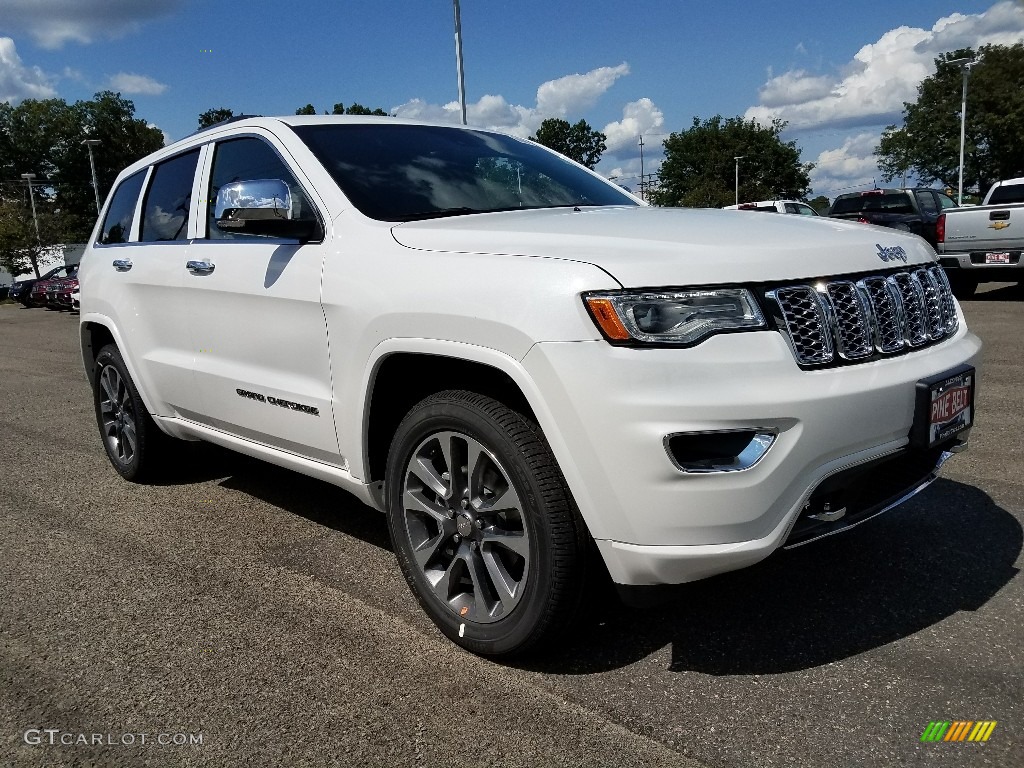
x=134, y=273
x=255, y=317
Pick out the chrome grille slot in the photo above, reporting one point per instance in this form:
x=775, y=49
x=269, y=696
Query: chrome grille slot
x=888, y=325
x=844, y=320
x=850, y=315
x=915, y=320
x=805, y=322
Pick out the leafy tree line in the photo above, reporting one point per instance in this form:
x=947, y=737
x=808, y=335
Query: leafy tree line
x=220, y=114
x=699, y=169
x=44, y=137
x=928, y=142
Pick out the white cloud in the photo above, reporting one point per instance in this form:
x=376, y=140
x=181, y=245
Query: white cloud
x=872, y=87
x=132, y=84
x=574, y=93
x=851, y=165
x=54, y=22
x=638, y=117
x=564, y=97
x=18, y=82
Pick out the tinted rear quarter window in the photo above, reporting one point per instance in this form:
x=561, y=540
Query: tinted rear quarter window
x=118, y=223
x=169, y=198
x=1009, y=193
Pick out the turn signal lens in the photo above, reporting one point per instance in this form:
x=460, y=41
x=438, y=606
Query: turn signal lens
x=604, y=314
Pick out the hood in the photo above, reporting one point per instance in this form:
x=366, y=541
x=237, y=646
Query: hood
x=649, y=247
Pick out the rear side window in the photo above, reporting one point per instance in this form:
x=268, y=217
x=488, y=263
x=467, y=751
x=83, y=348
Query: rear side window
x=1008, y=193
x=118, y=223
x=927, y=202
x=169, y=199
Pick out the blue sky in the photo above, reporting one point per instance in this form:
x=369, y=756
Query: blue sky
x=838, y=72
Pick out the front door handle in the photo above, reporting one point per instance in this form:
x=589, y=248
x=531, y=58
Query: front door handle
x=122, y=265
x=200, y=267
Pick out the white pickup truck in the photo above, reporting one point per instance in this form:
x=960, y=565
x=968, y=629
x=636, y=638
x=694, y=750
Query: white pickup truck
x=983, y=244
x=533, y=374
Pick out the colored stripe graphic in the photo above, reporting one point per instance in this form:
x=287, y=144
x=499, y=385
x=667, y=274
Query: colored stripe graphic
x=958, y=730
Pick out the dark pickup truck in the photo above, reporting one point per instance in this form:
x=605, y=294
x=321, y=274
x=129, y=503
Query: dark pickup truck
x=908, y=210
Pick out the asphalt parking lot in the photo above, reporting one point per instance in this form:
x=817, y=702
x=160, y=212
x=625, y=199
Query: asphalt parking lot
x=261, y=613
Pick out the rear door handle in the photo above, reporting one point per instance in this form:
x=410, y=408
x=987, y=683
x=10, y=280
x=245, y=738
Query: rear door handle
x=200, y=267
x=122, y=265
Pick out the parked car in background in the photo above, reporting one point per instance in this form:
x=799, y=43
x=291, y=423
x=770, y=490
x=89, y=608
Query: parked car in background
x=984, y=243
x=775, y=206
x=908, y=210
x=58, y=293
x=22, y=289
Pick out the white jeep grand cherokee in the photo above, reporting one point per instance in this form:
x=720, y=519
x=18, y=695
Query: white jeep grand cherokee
x=516, y=360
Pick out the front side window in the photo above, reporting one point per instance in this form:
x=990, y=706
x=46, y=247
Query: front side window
x=169, y=199
x=406, y=172
x=117, y=225
x=251, y=159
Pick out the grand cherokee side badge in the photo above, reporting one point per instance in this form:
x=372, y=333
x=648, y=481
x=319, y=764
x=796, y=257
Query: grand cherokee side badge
x=892, y=253
x=278, y=401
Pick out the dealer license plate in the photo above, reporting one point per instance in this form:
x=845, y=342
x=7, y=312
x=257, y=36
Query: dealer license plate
x=997, y=258
x=945, y=406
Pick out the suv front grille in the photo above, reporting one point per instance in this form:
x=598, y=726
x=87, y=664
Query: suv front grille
x=854, y=320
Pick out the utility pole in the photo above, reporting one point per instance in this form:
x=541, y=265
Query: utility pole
x=642, y=196
x=28, y=178
x=737, y=159
x=965, y=65
x=458, y=59
x=90, y=143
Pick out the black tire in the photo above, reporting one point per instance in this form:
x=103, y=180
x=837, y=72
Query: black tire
x=134, y=443
x=512, y=501
x=962, y=287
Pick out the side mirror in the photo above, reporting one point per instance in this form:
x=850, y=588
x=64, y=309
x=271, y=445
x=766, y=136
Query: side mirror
x=260, y=207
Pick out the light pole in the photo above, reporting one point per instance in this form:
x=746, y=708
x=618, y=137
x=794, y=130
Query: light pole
x=28, y=178
x=737, y=159
x=965, y=65
x=90, y=143
x=458, y=59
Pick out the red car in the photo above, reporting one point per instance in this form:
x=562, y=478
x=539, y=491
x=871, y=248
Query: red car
x=39, y=295
x=58, y=294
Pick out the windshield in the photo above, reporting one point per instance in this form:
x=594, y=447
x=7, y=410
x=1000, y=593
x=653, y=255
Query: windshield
x=406, y=172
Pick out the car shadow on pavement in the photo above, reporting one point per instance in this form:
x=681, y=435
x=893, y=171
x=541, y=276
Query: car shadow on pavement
x=949, y=550
x=1010, y=292
x=315, y=500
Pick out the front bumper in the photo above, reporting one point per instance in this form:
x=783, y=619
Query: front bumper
x=610, y=410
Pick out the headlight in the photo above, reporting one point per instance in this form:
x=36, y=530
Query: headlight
x=679, y=318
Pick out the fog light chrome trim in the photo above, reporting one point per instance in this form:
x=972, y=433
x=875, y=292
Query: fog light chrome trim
x=755, y=450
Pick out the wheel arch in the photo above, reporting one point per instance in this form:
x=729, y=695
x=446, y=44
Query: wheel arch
x=400, y=379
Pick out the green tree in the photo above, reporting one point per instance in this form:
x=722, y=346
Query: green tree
x=821, y=204
x=578, y=142
x=20, y=249
x=214, y=116
x=699, y=170
x=45, y=137
x=309, y=109
x=928, y=142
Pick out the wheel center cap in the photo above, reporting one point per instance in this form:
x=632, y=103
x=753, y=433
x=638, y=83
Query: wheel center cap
x=465, y=524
